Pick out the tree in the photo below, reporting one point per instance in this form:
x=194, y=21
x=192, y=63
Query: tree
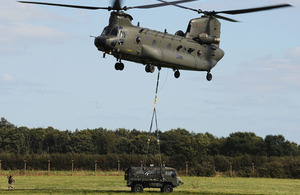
x=178, y=142
x=241, y=143
x=99, y=140
x=81, y=142
x=5, y=124
x=56, y=141
x=277, y=146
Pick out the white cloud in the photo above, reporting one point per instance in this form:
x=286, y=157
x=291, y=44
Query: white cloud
x=16, y=32
x=294, y=53
x=10, y=84
x=7, y=78
x=11, y=10
x=23, y=24
x=278, y=74
x=268, y=74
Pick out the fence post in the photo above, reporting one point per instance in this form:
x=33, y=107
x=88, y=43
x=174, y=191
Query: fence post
x=25, y=162
x=230, y=171
x=48, y=167
x=0, y=167
x=95, y=167
x=253, y=169
x=72, y=166
x=186, y=168
x=118, y=167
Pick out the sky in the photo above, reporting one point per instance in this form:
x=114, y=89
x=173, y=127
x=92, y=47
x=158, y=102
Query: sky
x=51, y=74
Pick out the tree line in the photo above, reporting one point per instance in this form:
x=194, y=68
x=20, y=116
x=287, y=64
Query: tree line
x=204, y=152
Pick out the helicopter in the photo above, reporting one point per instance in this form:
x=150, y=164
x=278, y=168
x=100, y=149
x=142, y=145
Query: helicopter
x=197, y=49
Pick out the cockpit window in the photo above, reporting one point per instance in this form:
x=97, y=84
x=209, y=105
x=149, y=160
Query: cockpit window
x=106, y=31
x=116, y=31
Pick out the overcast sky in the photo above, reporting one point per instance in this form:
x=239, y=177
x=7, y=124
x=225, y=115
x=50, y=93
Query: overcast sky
x=51, y=74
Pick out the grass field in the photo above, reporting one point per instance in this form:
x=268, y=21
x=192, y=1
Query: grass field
x=58, y=184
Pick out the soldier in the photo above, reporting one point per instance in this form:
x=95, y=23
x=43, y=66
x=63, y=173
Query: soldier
x=11, y=181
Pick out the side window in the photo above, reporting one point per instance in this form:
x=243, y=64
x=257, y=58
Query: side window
x=169, y=46
x=170, y=173
x=199, y=53
x=123, y=34
x=154, y=43
x=138, y=40
x=190, y=50
x=179, y=47
x=188, y=28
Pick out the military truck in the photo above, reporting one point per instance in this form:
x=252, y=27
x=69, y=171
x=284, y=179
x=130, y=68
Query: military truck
x=165, y=178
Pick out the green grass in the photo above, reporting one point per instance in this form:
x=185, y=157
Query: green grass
x=57, y=184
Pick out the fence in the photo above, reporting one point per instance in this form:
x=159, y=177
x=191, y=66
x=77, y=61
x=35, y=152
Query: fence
x=97, y=169
x=72, y=170
x=243, y=166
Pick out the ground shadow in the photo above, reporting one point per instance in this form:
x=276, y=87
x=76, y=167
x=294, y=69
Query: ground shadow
x=71, y=191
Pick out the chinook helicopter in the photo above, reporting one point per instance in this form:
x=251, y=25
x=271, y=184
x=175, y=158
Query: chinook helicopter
x=197, y=49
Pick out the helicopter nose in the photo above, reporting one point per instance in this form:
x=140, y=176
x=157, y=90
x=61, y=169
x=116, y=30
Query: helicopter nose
x=100, y=43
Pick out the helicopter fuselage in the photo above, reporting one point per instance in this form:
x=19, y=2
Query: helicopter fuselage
x=153, y=48
x=197, y=49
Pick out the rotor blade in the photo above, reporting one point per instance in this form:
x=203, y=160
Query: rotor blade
x=159, y=4
x=225, y=18
x=257, y=9
x=63, y=5
x=180, y=6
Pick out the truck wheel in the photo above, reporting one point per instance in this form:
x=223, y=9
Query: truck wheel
x=138, y=188
x=167, y=188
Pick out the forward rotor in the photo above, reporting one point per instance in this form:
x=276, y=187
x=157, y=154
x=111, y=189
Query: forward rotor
x=116, y=6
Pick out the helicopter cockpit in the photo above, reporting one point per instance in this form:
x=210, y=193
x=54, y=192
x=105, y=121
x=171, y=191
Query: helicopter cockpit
x=116, y=31
x=110, y=37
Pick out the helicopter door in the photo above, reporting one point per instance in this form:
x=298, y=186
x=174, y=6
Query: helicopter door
x=138, y=45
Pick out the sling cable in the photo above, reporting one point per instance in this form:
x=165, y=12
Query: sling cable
x=154, y=117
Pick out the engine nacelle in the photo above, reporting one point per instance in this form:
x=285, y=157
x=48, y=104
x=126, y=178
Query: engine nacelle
x=207, y=39
x=180, y=33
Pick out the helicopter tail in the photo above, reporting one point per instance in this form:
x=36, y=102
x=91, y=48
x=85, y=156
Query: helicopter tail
x=206, y=30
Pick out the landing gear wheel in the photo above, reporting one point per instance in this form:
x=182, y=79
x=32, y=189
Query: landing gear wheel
x=177, y=74
x=209, y=76
x=149, y=68
x=167, y=188
x=119, y=66
x=138, y=188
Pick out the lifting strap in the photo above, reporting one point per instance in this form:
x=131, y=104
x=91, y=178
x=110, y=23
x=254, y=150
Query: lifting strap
x=154, y=116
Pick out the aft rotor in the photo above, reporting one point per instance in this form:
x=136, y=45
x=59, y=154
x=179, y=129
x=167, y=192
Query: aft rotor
x=231, y=12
